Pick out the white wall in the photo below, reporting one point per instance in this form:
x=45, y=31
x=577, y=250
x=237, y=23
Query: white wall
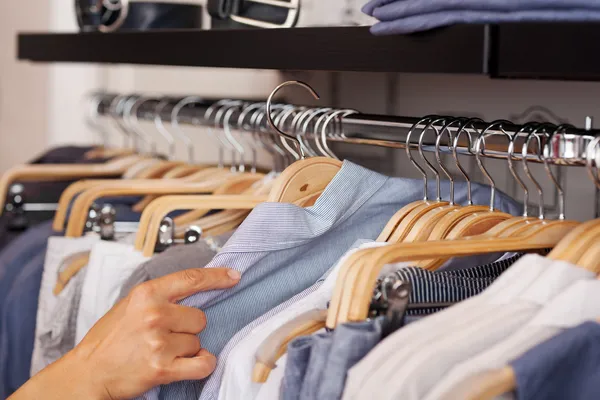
x=23, y=88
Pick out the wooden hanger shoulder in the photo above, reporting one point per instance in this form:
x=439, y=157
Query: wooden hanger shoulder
x=450, y=220
x=575, y=244
x=343, y=280
x=304, y=178
x=396, y=219
x=476, y=224
x=275, y=345
x=67, y=196
x=158, y=170
x=65, y=275
x=411, y=219
x=61, y=172
x=235, y=184
x=83, y=203
x=493, y=384
x=173, y=203
x=424, y=225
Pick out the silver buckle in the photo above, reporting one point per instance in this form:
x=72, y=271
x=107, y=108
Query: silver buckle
x=292, y=6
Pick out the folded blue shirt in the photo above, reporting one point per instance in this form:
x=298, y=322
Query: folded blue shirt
x=387, y=10
x=424, y=22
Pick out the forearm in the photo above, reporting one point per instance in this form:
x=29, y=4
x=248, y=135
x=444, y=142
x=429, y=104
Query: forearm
x=66, y=379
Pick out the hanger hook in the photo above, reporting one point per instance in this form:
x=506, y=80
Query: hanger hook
x=511, y=166
x=301, y=114
x=92, y=117
x=304, y=129
x=221, y=143
x=134, y=121
x=481, y=149
x=591, y=160
x=423, y=120
x=463, y=128
x=525, y=162
x=186, y=101
x=438, y=157
x=270, y=119
x=237, y=145
x=269, y=145
x=429, y=164
x=271, y=137
x=115, y=109
x=324, y=134
x=160, y=126
x=240, y=123
x=559, y=190
x=282, y=113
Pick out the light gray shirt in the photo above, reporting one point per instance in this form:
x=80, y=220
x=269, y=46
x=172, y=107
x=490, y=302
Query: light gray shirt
x=282, y=249
x=59, y=338
x=176, y=259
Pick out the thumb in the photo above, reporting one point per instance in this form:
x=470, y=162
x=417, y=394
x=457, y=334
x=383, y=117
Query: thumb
x=182, y=284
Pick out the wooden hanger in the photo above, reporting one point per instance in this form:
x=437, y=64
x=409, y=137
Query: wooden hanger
x=235, y=185
x=494, y=384
x=74, y=264
x=60, y=172
x=354, y=292
x=85, y=200
x=169, y=204
x=302, y=180
x=473, y=220
x=107, y=152
x=257, y=187
x=209, y=173
x=275, y=345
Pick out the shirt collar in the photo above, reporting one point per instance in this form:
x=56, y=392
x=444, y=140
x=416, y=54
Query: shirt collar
x=277, y=226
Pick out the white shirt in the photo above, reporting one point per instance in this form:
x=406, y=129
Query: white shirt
x=580, y=302
x=59, y=248
x=412, y=378
x=110, y=265
x=271, y=389
x=366, y=376
x=237, y=383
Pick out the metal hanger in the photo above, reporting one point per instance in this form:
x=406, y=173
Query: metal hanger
x=425, y=224
x=402, y=231
x=401, y=215
x=306, y=178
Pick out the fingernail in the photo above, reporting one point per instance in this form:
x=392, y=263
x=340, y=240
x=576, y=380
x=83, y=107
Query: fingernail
x=233, y=274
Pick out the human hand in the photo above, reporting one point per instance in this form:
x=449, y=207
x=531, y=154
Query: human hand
x=147, y=339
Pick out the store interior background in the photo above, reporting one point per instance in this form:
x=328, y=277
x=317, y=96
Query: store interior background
x=42, y=105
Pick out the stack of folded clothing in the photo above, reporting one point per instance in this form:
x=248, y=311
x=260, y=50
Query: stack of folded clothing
x=407, y=16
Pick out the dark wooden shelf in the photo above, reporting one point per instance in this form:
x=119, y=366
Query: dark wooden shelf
x=523, y=50
x=457, y=49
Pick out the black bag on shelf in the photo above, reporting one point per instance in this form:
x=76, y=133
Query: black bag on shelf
x=117, y=15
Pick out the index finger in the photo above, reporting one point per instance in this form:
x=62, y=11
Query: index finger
x=182, y=284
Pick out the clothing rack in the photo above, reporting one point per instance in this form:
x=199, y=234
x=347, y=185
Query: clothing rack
x=564, y=145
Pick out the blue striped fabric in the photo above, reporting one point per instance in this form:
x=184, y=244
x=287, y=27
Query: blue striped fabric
x=453, y=286
x=282, y=249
